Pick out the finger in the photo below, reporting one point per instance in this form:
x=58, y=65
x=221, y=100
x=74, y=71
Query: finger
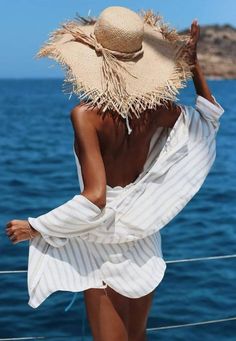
x=11, y=229
x=193, y=28
x=196, y=36
x=9, y=224
x=16, y=239
x=13, y=237
x=8, y=232
x=195, y=25
x=195, y=33
x=12, y=222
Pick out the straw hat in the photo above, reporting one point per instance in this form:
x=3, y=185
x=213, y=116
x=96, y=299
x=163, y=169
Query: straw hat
x=123, y=61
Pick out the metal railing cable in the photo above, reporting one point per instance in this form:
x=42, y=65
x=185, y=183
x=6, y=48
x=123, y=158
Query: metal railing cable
x=35, y=338
x=167, y=261
x=191, y=324
x=200, y=259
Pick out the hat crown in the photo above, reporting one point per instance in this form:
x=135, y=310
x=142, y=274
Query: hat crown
x=119, y=29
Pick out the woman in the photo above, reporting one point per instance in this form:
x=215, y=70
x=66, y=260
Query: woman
x=111, y=158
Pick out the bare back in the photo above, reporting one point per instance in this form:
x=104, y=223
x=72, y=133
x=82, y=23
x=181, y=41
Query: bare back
x=124, y=155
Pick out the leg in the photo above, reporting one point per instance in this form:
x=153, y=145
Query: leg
x=138, y=315
x=107, y=313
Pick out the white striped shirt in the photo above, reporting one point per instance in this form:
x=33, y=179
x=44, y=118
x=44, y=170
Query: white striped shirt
x=82, y=246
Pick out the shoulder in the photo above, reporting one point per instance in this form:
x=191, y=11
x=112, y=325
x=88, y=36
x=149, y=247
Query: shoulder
x=83, y=113
x=84, y=117
x=85, y=125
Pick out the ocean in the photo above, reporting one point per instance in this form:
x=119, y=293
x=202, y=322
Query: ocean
x=38, y=173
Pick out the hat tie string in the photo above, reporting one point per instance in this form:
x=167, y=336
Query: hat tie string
x=98, y=47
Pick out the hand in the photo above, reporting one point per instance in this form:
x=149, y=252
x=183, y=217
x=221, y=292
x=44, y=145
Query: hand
x=20, y=230
x=191, y=45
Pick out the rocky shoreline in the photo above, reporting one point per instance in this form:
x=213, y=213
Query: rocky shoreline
x=217, y=51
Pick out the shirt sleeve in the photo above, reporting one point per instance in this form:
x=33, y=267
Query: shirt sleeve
x=73, y=218
x=211, y=112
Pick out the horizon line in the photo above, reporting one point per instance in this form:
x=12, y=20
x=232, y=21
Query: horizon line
x=62, y=79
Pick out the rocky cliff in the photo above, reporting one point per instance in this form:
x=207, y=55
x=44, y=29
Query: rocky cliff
x=217, y=51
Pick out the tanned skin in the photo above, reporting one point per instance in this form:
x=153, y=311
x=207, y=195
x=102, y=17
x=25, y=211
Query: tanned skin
x=109, y=156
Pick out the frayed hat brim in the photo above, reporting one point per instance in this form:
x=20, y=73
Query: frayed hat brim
x=153, y=79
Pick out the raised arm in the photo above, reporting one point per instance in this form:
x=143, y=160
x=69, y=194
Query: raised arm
x=206, y=103
x=200, y=83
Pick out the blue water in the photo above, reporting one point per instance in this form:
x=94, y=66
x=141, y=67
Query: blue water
x=38, y=173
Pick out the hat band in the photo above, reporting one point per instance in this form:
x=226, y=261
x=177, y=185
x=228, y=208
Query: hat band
x=124, y=55
x=92, y=41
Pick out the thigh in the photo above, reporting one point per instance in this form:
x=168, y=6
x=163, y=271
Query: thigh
x=138, y=315
x=107, y=313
